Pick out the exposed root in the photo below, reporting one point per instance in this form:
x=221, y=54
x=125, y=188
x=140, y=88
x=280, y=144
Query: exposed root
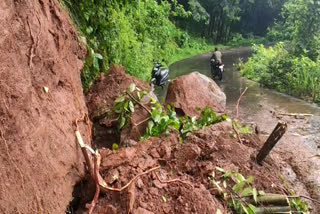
x=173, y=180
x=97, y=162
x=101, y=185
x=11, y=160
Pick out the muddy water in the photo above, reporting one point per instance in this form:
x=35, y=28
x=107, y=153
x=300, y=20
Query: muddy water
x=301, y=143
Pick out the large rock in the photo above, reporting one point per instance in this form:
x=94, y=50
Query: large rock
x=195, y=90
x=40, y=97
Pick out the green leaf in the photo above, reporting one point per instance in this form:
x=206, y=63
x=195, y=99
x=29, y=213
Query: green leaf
x=122, y=123
x=131, y=106
x=247, y=191
x=132, y=87
x=252, y=208
x=238, y=187
x=164, y=199
x=139, y=95
x=97, y=55
x=254, y=193
x=119, y=99
x=240, y=178
x=250, y=179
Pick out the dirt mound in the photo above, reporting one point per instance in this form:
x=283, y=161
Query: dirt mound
x=195, y=90
x=100, y=101
x=181, y=184
x=41, y=95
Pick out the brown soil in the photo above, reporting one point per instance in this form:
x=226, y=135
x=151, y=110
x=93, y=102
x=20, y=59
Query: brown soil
x=192, y=162
x=100, y=101
x=40, y=160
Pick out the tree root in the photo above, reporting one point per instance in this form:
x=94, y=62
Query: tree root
x=94, y=166
x=173, y=180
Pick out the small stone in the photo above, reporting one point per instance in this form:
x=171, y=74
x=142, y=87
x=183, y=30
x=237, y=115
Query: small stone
x=46, y=89
x=154, y=153
x=112, y=176
x=139, y=183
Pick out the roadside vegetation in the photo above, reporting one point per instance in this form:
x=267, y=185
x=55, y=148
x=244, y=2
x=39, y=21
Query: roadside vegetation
x=293, y=64
x=134, y=33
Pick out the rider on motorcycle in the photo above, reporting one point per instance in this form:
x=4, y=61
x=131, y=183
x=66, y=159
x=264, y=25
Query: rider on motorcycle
x=217, y=55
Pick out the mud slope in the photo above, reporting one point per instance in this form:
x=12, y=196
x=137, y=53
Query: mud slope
x=39, y=159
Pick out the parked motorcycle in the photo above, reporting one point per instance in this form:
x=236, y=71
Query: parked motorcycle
x=216, y=69
x=159, y=75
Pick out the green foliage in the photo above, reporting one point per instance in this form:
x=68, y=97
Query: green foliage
x=243, y=129
x=276, y=68
x=234, y=186
x=161, y=122
x=298, y=205
x=129, y=33
x=299, y=24
x=124, y=105
x=238, y=40
x=207, y=117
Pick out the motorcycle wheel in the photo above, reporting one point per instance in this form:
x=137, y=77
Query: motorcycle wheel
x=219, y=74
x=213, y=72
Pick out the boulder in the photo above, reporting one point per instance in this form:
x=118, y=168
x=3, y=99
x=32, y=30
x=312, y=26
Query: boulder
x=189, y=92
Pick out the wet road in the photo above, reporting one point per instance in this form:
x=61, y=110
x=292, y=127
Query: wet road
x=262, y=106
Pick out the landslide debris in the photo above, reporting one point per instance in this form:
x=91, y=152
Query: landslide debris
x=181, y=184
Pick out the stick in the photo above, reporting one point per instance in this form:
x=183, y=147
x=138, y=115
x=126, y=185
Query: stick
x=272, y=140
x=238, y=103
x=295, y=114
x=237, y=133
x=143, y=106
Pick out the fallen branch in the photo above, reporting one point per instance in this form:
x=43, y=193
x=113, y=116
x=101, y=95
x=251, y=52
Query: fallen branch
x=137, y=101
x=295, y=114
x=237, y=133
x=238, y=103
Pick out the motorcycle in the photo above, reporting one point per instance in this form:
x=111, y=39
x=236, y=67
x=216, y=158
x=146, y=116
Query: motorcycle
x=216, y=69
x=159, y=75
